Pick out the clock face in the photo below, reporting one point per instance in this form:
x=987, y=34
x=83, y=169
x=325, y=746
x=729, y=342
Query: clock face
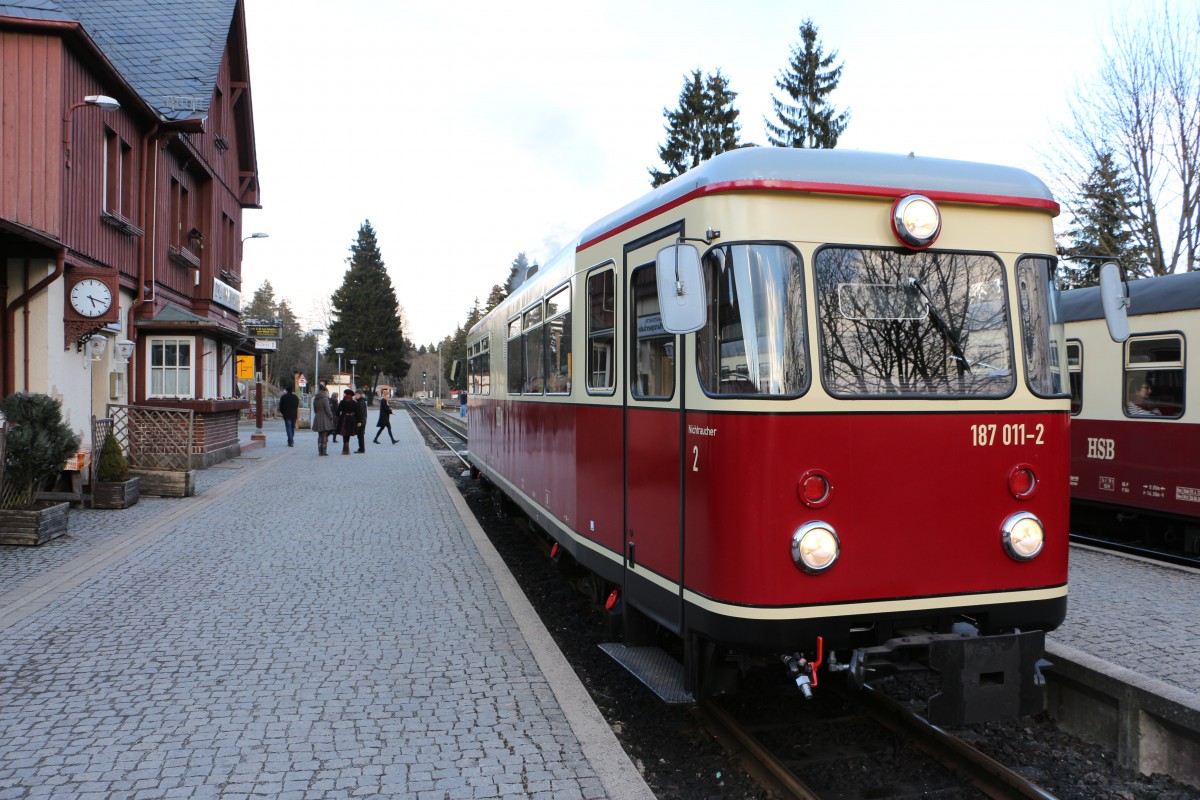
x=91, y=297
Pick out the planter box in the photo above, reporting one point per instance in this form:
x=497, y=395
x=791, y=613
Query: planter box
x=33, y=526
x=166, y=483
x=116, y=494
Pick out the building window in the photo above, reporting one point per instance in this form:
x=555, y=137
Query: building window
x=226, y=368
x=1154, y=376
x=118, y=176
x=209, y=365
x=601, y=330
x=171, y=367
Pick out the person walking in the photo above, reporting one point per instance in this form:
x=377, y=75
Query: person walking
x=361, y=431
x=347, y=419
x=323, y=420
x=385, y=421
x=289, y=409
x=462, y=403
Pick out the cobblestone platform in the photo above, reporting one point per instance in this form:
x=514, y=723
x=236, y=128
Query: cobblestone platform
x=1137, y=615
x=303, y=627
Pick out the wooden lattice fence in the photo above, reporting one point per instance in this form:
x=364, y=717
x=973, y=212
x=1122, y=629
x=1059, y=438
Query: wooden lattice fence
x=154, y=438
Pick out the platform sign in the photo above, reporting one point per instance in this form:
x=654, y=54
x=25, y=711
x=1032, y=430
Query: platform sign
x=266, y=344
x=263, y=329
x=245, y=368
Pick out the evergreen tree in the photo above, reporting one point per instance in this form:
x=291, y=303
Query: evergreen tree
x=516, y=273
x=495, y=297
x=808, y=120
x=367, y=315
x=705, y=124
x=1103, y=225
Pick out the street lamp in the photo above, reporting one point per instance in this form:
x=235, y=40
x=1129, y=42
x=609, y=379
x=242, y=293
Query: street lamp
x=353, y=385
x=100, y=101
x=312, y=391
x=257, y=235
x=339, y=351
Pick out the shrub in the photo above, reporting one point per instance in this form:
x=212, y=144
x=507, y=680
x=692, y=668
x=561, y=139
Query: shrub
x=38, y=443
x=112, y=465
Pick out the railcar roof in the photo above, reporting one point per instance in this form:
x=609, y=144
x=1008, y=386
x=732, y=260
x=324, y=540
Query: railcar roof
x=1178, y=292
x=841, y=171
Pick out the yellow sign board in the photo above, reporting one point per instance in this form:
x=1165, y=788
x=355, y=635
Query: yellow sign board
x=245, y=368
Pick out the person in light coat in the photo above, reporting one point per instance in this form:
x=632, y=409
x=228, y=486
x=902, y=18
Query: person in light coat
x=322, y=419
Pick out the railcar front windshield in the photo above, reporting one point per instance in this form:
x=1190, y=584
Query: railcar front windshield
x=913, y=324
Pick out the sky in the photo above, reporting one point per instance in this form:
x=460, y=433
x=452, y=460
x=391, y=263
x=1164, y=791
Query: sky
x=469, y=131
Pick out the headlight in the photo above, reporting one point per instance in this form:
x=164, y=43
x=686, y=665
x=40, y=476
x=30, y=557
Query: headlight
x=815, y=547
x=916, y=221
x=1023, y=536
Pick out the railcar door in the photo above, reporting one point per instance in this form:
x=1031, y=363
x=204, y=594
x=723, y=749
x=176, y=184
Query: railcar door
x=653, y=448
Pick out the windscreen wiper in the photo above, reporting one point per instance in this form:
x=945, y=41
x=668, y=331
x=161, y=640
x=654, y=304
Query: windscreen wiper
x=963, y=365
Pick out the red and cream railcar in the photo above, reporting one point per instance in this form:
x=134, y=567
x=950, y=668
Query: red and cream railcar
x=1134, y=434
x=858, y=454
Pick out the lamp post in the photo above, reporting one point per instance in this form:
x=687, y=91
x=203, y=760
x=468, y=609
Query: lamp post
x=312, y=392
x=353, y=385
x=256, y=235
x=100, y=101
x=339, y=351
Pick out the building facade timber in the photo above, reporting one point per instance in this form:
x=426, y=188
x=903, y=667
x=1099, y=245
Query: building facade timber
x=144, y=201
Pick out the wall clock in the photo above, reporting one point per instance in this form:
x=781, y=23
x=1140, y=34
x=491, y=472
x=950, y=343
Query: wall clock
x=91, y=297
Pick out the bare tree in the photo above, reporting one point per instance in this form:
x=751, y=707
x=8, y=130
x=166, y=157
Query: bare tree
x=1144, y=107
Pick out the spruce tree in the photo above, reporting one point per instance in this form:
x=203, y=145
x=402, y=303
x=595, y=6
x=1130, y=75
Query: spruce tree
x=366, y=315
x=516, y=273
x=808, y=120
x=1103, y=225
x=704, y=124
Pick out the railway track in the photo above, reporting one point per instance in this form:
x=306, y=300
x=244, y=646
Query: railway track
x=450, y=431
x=832, y=754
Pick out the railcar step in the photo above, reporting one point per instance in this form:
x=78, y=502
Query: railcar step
x=654, y=667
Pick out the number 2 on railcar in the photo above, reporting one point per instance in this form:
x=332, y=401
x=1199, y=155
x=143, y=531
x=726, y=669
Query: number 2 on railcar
x=803, y=405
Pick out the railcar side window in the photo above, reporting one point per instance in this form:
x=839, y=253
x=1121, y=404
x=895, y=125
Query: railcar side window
x=533, y=334
x=654, y=348
x=515, y=358
x=1154, y=376
x=601, y=330
x=912, y=324
x=754, y=340
x=558, y=342
x=1075, y=372
x=1042, y=332
x=479, y=377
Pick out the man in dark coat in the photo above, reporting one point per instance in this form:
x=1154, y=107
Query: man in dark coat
x=362, y=420
x=289, y=409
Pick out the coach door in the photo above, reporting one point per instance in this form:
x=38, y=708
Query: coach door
x=653, y=447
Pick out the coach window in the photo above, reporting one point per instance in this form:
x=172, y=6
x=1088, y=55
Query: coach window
x=654, y=348
x=1041, y=327
x=1154, y=376
x=514, y=356
x=533, y=334
x=601, y=330
x=478, y=377
x=753, y=342
x=1075, y=373
x=558, y=342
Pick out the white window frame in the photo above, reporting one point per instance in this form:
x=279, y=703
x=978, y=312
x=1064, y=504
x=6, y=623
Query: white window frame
x=209, y=366
x=183, y=375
